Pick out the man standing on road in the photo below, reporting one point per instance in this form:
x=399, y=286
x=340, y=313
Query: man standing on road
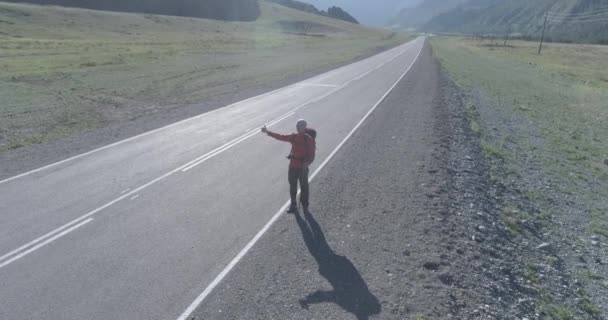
x=301, y=156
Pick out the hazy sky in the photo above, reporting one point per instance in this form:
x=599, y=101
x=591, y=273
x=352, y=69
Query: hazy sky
x=371, y=12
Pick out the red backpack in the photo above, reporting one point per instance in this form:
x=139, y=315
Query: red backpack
x=312, y=133
x=309, y=133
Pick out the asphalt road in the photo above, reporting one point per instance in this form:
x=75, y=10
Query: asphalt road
x=139, y=229
x=380, y=241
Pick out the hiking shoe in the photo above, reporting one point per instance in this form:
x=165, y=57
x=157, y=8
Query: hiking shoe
x=292, y=209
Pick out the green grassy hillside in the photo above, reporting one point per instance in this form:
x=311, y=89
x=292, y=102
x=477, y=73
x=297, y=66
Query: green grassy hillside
x=66, y=70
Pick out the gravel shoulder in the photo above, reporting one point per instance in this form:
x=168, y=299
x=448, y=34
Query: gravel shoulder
x=546, y=181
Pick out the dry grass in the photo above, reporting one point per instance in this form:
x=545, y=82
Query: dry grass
x=65, y=70
x=563, y=94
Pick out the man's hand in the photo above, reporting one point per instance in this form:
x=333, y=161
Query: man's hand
x=264, y=130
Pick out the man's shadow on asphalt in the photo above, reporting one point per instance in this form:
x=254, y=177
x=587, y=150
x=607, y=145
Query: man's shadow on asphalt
x=349, y=289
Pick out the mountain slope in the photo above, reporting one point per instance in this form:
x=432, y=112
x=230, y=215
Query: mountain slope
x=332, y=12
x=524, y=17
x=339, y=13
x=414, y=17
x=376, y=12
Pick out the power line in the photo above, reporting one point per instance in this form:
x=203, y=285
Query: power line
x=602, y=15
x=589, y=15
x=568, y=21
x=577, y=13
x=571, y=18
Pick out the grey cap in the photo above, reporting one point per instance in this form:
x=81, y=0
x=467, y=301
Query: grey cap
x=301, y=123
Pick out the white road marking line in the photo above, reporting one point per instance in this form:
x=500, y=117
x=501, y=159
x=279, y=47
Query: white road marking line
x=135, y=197
x=235, y=142
x=138, y=136
x=227, y=145
x=105, y=206
x=124, y=196
x=361, y=76
x=257, y=237
x=23, y=254
x=172, y=124
x=317, y=85
x=164, y=176
x=33, y=242
x=127, y=189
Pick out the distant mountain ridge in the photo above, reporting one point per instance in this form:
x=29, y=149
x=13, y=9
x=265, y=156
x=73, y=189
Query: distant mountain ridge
x=516, y=17
x=332, y=12
x=370, y=12
x=525, y=18
x=232, y=10
x=414, y=17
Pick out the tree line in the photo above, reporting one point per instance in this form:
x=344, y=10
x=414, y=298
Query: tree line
x=233, y=10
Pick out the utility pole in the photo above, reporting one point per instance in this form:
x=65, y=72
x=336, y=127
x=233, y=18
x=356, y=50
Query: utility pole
x=542, y=38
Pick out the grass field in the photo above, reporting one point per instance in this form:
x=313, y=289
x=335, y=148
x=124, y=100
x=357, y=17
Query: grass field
x=65, y=70
x=545, y=122
x=563, y=94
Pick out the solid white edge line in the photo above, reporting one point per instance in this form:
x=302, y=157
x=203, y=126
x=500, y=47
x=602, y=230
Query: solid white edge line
x=257, y=237
x=214, y=152
x=231, y=265
x=21, y=255
x=183, y=121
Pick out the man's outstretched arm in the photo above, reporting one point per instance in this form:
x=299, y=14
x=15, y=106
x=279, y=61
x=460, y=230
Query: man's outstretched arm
x=280, y=137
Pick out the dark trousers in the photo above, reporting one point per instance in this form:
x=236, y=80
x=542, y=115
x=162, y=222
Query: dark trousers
x=301, y=175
